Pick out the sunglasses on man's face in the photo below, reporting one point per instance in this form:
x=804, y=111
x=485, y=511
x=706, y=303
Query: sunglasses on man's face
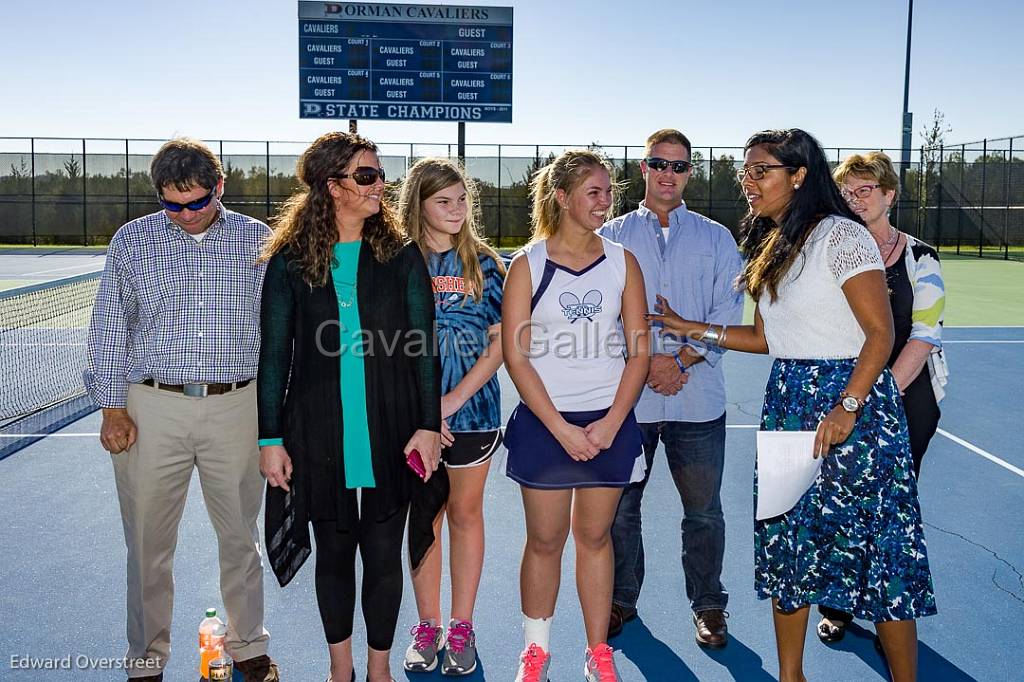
x=678, y=167
x=364, y=175
x=197, y=205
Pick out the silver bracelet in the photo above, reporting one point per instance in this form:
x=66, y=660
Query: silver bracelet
x=711, y=336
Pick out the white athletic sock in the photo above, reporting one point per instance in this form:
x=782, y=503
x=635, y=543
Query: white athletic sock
x=537, y=631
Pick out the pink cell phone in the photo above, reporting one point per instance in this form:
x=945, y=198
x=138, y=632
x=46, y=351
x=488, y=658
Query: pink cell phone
x=415, y=463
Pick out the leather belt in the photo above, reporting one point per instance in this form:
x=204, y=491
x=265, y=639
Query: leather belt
x=198, y=390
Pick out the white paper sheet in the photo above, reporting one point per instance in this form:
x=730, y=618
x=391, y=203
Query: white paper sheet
x=786, y=467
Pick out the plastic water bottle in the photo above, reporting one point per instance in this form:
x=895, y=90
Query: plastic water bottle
x=212, y=632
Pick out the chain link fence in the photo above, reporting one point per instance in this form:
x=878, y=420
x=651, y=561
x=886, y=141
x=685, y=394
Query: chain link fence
x=967, y=198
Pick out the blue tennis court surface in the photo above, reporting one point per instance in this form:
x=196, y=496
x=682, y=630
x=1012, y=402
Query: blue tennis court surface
x=21, y=267
x=63, y=581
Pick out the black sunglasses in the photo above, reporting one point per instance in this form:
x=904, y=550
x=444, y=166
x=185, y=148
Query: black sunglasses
x=678, y=167
x=364, y=175
x=197, y=205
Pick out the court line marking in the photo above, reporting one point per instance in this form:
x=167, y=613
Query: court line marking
x=978, y=451
x=69, y=267
x=959, y=441
x=986, y=341
x=983, y=326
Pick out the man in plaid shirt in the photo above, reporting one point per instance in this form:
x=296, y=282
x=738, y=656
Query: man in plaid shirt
x=173, y=348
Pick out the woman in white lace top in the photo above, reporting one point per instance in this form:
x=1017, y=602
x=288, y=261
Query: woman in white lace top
x=854, y=541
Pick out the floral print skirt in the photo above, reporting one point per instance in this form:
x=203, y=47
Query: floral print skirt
x=854, y=541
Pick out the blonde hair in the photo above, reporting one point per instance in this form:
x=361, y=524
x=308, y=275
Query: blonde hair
x=425, y=179
x=875, y=166
x=565, y=173
x=306, y=223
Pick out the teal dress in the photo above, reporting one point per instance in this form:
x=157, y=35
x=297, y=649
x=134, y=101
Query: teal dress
x=355, y=425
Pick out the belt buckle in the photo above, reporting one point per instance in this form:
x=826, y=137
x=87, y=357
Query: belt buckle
x=195, y=390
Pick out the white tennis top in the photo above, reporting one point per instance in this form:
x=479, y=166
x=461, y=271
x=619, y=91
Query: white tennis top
x=811, y=318
x=576, y=343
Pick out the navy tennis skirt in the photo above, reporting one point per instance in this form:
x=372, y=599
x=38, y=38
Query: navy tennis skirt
x=537, y=460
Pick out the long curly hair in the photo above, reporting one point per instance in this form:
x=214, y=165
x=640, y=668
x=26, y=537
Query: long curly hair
x=425, y=179
x=306, y=222
x=771, y=249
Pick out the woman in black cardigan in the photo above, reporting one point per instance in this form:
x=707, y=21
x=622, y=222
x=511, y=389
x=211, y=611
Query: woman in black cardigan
x=333, y=450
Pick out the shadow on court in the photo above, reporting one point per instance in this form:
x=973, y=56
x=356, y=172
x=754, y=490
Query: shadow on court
x=656, y=660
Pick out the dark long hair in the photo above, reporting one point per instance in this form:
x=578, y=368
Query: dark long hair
x=306, y=221
x=770, y=249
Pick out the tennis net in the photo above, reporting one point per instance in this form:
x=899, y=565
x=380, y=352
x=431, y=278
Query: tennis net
x=43, y=332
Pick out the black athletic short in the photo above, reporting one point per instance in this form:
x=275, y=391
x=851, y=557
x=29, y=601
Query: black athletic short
x=471, y=448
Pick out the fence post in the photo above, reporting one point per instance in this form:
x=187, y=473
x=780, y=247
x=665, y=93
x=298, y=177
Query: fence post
x=981, y=208
x=711, y=175
x=499, y=196
x=127, y=184
x=1006, y=217
x=922, y=186
x=268, y=180
x=85, y=207
x=960, y=199
x=938, y=200
x=32, y=153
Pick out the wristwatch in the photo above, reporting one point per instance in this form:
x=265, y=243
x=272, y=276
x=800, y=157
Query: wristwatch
x=851, y=403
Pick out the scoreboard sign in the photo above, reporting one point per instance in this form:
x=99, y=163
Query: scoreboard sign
x=405, y=62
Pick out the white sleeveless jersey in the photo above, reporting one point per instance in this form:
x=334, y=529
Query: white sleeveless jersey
x=576, y=340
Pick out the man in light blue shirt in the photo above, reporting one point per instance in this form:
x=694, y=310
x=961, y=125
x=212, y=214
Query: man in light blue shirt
x=692, y=262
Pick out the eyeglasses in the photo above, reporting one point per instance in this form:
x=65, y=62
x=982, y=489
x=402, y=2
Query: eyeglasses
x=757, y=171
x=678, y=167
x=862, y=192
x=197, y=205
x=364, y=175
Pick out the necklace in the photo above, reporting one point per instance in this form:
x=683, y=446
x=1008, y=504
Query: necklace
x=895, y=241
x=347, y=302
x=894, y=235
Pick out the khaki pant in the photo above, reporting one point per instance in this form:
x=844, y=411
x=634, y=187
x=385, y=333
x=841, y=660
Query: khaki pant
x=218, y=435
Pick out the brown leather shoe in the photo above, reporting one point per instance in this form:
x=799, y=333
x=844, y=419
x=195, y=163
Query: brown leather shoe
x=258, y=669
x=712, y=632
x=619, y=616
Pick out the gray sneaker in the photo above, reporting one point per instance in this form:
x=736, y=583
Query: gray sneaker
x=421, y=656
x=460, y=649
x=533, y=665
x=600, y=665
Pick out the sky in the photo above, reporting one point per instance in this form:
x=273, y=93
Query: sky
x=584, y=71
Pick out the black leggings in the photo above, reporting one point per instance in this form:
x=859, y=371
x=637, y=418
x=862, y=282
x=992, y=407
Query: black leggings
x=922, y=416
x=380, y=547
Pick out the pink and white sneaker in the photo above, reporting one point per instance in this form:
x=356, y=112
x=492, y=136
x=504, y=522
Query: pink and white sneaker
x=600, y=665
x=533, y=665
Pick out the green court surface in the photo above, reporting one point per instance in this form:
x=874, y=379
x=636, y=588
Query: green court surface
x=980, y=292
x=983, y=292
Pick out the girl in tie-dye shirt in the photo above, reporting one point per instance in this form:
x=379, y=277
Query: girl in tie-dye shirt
x=438, y=213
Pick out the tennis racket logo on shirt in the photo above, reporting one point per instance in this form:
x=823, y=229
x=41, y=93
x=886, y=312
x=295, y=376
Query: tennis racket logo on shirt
x=574, y=309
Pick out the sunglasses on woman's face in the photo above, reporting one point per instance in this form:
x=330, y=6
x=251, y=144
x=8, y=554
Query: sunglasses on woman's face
x=197, y=205
x=364, y=175
x=678, y=167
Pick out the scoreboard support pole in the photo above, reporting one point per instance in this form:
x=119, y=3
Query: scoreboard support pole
x=462, y=144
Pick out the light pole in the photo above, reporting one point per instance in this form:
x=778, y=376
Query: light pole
x=908, y=118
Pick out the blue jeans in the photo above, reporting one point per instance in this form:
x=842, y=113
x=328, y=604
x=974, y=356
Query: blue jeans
x=696, y=457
